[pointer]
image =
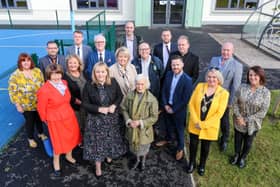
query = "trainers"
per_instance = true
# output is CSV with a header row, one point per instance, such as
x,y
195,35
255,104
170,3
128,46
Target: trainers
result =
x,y
32,143
42,136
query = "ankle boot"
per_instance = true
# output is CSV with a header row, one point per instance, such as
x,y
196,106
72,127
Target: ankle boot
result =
x,y
143,163
191,167
234,159
135,165
242,163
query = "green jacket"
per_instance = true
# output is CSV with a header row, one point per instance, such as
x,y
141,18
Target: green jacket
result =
x,y
146,111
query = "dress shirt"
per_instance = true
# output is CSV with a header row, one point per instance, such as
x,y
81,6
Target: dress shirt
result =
x,y
80,53
222,66
129,45
165,53
103,55
145,66
174,83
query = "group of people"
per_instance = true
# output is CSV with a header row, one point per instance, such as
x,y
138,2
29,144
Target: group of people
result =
x,y
109,103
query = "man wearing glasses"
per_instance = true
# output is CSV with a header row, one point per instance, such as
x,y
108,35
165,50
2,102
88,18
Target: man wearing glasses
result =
x,y
51,57
232,73
100,54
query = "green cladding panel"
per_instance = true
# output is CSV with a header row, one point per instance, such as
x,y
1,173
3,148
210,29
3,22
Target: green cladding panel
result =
x,y
194,13
143,13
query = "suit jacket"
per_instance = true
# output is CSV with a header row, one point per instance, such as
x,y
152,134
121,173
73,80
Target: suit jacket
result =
x,y
191,64
136,41
86,51
158,50
181,95
155,73
91,99
210,126
93,59
232,73
45,61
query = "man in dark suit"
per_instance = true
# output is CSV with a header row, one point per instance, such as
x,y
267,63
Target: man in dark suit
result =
x,y
80,49
163,49
231,70
191,61
150,66
51,57
130,40
100,54
176,92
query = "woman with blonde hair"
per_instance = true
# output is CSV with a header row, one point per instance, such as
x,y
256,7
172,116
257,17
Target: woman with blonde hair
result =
x,y
207,105
101,100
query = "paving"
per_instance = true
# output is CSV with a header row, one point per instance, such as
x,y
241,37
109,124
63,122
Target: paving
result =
x,y
22,166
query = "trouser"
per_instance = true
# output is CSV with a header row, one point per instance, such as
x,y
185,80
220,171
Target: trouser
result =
x,y
204,150
173,124
225,126
245,140
32,119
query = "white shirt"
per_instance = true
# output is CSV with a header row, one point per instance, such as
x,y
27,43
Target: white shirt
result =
x,y
103,55
174,83
129,45
145,66
80,51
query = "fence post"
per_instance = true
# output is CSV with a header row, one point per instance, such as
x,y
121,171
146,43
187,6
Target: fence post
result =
x,y
56,16
10,18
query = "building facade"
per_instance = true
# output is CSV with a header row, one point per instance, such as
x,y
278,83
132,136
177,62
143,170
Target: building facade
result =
x,y
150,13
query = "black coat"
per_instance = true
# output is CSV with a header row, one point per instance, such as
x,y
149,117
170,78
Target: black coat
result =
x,y
91,99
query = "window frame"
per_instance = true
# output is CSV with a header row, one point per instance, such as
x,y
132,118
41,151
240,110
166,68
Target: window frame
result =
x,y
229,2
97,5
15,5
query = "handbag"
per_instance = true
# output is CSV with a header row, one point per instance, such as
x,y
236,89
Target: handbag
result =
x,y
48,147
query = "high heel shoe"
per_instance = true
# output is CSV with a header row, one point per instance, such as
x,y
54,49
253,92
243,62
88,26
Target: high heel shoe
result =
x,y
57,173
70,162
108,161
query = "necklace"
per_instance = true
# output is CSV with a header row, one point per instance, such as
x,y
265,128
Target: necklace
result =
x,y
205,103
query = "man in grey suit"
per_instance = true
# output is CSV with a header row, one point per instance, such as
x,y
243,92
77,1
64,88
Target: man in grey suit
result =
x,y
51,57
232,73
130,40
80,49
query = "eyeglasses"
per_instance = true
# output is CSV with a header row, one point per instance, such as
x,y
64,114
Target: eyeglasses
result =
x,y
144,49
216,68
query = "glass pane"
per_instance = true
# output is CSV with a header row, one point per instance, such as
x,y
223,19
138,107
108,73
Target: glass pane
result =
x,y
11,3
251,4
222,4
112,3
159,14
3,4
176,11
241,4
21,4
101,4
233,3
93,4
82,3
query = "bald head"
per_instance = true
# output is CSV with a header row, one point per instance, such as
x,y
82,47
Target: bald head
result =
x,y
227,50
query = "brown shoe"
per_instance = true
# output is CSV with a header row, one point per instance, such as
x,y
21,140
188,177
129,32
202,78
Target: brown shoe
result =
x,y
179,155
162,143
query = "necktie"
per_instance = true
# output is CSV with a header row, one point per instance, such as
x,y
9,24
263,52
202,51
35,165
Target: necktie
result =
x,y
167,49
100,57
78,51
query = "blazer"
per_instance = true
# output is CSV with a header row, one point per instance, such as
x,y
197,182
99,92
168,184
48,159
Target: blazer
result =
x,y
121,41
45,61
210,126
155,73
93,59
86,51
191,64
181,95
91,99
232,73
158,50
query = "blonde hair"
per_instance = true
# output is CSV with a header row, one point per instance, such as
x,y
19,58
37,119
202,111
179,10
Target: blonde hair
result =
x,y
101,65
218,74
81,64
123,50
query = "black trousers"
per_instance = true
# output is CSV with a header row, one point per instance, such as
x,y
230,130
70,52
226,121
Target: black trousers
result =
x,y
245,140
225,126
32,119
204,150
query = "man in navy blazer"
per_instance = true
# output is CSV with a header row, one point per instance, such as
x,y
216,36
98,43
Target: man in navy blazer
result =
x,y
100,54
80,49
162,50
51,57
232,73
176,92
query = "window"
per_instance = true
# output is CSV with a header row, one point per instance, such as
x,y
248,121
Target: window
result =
x,y
13,4
97,4
237,4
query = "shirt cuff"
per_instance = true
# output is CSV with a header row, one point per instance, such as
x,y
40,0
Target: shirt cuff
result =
x,y
141,124
127,122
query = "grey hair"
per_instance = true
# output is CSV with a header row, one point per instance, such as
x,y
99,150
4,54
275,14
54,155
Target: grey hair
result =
x,y
218,74
99,36
143,77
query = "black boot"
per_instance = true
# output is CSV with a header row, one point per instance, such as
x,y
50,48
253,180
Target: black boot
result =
x,y
191,167
234,159
201,170
143,163
242,163
136,164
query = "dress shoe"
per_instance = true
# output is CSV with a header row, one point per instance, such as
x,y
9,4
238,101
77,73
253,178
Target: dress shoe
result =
x,y
98,176
179,154
242,163
190,168
162,143
57,173
201,171
32,143
42,136
223,146
234,159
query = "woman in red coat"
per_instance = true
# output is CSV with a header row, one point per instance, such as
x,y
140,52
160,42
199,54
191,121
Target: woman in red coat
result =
x,y
55,110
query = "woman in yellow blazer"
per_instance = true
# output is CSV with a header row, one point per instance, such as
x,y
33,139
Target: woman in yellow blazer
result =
x,y
207,105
